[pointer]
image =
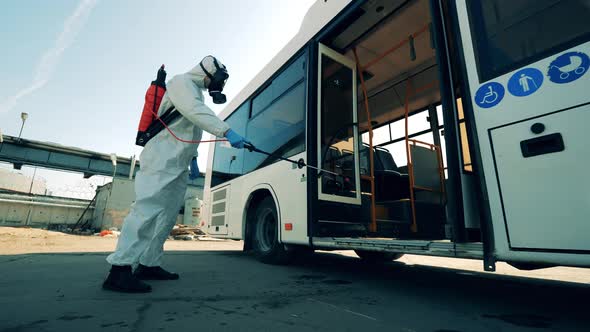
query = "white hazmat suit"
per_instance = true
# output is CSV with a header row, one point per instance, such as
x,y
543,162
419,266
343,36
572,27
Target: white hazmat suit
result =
x,y
161,183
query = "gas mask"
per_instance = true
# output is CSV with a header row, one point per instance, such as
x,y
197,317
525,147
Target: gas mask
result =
x,y
217,82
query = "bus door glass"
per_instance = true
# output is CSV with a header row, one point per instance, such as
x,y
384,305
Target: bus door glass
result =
x,y
337,128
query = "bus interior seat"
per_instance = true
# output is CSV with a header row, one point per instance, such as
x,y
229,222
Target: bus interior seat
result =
x,y
348,167
426,173
347,153
347,160
333,157
332,163
390,184
364,159
385,158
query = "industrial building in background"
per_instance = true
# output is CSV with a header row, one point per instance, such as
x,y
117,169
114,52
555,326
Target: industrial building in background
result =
x,y
22,184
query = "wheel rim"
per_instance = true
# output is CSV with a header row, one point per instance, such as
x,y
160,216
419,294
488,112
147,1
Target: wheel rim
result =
x,y
266,230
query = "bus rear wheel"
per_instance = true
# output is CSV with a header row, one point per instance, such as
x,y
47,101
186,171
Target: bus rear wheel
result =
x,y
377,256
266,245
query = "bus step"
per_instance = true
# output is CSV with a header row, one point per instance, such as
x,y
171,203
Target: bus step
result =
x,y
394,220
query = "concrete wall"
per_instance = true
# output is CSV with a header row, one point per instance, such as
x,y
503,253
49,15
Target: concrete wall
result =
x,y
114,200
41,211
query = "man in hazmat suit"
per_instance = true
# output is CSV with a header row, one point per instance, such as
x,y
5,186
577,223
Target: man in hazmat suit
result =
x,y
161,183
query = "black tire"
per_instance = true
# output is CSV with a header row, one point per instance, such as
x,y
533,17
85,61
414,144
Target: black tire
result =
x,y
377,256
266,245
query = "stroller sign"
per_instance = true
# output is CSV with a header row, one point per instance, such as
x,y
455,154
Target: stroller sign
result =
x,y
568,67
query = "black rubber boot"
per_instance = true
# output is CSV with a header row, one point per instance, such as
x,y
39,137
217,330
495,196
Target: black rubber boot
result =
x,y
121,279
154,273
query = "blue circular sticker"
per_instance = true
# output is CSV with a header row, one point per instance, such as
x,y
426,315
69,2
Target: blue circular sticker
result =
x,y
489,95
525,82
568,67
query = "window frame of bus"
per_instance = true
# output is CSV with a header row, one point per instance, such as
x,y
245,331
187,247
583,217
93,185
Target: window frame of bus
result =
x,y
485,68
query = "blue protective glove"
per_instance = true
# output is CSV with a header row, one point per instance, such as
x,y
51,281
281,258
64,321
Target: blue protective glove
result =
x,y
194,169
235,140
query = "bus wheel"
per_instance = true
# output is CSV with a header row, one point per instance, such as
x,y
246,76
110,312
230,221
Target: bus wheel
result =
x,y
267,247
377,256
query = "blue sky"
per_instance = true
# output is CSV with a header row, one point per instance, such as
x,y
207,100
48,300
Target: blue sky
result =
x,y
97,64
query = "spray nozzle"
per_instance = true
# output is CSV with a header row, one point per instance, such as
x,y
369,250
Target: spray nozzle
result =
x,y
161,78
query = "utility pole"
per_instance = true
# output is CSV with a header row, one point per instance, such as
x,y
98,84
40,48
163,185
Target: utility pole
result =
x,y
23,117
32,181
114,161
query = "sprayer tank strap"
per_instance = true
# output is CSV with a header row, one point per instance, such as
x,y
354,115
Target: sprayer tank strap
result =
x,y
167,117
154,110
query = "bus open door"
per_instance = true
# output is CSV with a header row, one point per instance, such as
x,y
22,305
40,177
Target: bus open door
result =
x,y
527,101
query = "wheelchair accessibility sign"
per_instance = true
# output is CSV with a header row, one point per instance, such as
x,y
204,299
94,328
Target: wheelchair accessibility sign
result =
x,y
489,95
568,67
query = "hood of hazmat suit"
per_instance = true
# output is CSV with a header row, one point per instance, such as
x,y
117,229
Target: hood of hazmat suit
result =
x,y
161,183
198,76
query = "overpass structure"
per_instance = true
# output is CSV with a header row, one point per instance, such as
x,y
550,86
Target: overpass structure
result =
x,y
19,152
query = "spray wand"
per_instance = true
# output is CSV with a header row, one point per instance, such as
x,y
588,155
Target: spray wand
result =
x,y
300,163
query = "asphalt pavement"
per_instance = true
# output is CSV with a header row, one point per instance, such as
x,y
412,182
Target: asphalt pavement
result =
x,y
231,291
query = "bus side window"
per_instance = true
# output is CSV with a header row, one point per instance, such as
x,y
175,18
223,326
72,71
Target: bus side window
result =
x,y
289,77
277,123
279,129
227,161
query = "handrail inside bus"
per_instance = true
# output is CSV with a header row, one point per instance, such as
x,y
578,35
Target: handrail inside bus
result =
x,y
397,46
373,224
412,180
409,92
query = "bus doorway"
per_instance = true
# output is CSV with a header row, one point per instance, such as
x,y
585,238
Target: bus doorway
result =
x,y
380,126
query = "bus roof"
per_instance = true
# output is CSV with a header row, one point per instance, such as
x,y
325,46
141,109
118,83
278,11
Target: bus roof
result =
x,y
318,16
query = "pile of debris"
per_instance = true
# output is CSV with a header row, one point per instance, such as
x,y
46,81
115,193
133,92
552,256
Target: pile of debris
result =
x,y
86,232
184,232
179,232
111,232
63,228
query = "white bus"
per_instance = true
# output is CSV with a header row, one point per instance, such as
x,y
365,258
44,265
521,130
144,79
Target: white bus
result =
x,y
455,128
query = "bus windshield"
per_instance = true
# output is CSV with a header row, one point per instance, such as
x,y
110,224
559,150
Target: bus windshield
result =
x,y
512,34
